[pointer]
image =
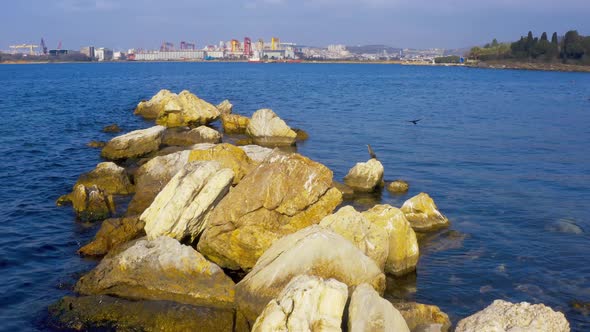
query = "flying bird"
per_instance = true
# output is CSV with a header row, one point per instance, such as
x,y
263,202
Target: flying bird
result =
x,y
415,121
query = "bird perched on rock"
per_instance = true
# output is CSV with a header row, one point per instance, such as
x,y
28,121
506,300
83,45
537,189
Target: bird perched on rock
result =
x,y
371,152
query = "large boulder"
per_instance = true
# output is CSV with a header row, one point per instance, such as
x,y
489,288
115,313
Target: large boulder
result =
x,y
229,156
423,317
150,109
109,177
134,144
256,152
91,203
365,177
403,250
225,107
306,304
284,194
152,177
187,110
503,316
234,123
371,239
369,312
112,233
315,251
161,269
423,214
184,136
182,208
106,313
266,128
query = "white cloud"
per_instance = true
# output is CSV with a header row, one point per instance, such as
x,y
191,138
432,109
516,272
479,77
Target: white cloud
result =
x,y
87,5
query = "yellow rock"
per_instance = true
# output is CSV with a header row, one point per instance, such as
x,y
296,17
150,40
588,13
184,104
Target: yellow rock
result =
x,y
281,196
134,144
365,177
112,233
369,312
371,239
423,214
267,129
91,203
150,109
398,187
225,107
229,156
314,251
187,110
109,177
403,245
234,123
423,317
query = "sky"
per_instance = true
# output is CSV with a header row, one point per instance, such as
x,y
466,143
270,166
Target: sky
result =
x,y
124,24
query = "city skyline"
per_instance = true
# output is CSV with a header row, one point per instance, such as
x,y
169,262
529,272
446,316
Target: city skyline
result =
x,y
398,23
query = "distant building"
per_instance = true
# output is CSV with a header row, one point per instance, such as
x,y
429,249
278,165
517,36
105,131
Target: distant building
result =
x,y
170,55
119,56
103,54
62,52
215,54
88,51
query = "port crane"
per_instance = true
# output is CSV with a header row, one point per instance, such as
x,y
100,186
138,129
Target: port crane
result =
x,y
31,47
43,47
166,46
187,46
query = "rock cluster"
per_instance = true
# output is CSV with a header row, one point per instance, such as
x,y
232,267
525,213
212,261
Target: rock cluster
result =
x,y
266,216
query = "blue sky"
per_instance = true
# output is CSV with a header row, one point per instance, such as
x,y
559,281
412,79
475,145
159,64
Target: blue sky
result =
x,y
400,23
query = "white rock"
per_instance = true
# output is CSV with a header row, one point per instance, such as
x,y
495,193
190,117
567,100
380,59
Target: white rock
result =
x,y
256,152
423,214
502,316
182,208
266,128
307,303
365,177
369,312
134,144
314,251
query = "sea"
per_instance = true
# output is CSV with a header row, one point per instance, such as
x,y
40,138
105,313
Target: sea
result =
x,y
505,154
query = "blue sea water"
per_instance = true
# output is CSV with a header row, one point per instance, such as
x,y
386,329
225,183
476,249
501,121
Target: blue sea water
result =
x,y
505,154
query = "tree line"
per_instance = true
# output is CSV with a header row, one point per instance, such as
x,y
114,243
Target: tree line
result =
x,y
572,48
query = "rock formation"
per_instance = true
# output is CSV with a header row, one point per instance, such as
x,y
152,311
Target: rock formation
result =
x,y
161,269
423,214
182,208
315,251
365,177
398,187
267,129
184,136
234,123
187,110
152,108
369,312
284,194
91,203
112,233
225,107
134,144
503,316
108,177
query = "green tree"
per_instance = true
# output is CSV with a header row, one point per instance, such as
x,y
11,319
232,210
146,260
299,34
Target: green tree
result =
x,y
572,45
544,36
554,40
495,43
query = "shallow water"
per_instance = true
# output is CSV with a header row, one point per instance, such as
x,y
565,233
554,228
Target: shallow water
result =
x,y
504,154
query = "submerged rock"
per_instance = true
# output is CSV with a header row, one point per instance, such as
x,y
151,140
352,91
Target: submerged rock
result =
x,y
152,108
112,233
314,251
370,238
114,128
369,312
398,187
108,177
423,214
134,144
96,144
182,208
281,196
234,123
184,136
225,107
91,203
105,313
365,177
403,253
187,110
306,304
347,192
423,317
267,129
506,316
152,177
229,156
161,269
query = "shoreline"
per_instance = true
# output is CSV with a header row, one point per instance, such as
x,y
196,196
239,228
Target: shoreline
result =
x,y
557,67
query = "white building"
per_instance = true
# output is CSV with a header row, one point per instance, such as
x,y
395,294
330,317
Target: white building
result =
x,y
170,55
103,54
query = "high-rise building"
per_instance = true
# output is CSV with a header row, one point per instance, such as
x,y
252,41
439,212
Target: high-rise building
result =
x,y
88,51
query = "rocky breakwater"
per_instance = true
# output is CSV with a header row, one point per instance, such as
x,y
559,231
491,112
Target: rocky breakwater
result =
x,y
201,213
